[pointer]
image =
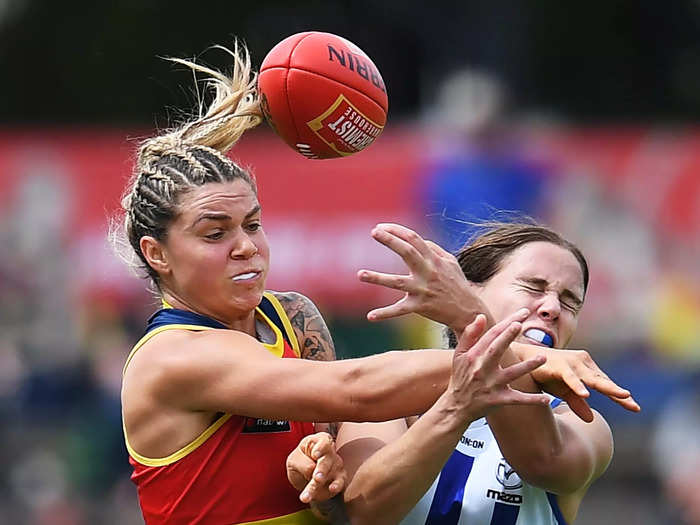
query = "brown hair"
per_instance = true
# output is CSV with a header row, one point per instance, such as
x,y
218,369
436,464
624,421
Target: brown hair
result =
x,y
482,257
170,164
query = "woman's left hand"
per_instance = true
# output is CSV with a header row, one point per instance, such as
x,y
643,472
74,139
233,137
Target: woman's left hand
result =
x,y
315,469
567,373
435,286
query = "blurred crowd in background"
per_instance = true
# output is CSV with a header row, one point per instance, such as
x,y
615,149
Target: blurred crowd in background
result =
x,y
584,118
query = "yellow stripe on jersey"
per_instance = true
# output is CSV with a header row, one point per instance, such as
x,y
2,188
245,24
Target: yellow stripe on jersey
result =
x,y
152,333
303,517
179,454
285,321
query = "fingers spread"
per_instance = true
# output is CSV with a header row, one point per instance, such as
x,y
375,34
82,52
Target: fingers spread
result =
x,y
628,403
399,308
439,250
473,332
579,406
503,327
409,253
390,280
604,385
575,384
516,397
503,340
513,372
407,235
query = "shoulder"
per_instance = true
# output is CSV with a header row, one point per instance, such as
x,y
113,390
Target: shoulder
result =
x,y
180,354
314,338
293,301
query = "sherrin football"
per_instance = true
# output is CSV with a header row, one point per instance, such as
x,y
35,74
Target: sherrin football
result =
x,y
323,95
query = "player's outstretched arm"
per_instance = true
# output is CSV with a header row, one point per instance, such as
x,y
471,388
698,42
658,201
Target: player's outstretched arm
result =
x,y
391,467
229,371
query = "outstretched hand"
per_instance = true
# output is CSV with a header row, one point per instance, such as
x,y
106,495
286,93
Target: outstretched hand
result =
x,y
568,373
315,469
435,286
478,382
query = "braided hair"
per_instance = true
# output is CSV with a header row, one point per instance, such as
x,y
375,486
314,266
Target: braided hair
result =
x,y
191,155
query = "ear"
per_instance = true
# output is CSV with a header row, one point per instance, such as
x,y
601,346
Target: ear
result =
x,y
155,254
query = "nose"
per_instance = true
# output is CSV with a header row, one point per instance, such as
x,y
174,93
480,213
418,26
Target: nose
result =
x,y
550,307
245,248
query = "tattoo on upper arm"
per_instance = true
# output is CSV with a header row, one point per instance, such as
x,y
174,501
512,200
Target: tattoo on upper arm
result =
x,y
315,340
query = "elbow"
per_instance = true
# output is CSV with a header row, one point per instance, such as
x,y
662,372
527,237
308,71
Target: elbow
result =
x,y
553,475
539,469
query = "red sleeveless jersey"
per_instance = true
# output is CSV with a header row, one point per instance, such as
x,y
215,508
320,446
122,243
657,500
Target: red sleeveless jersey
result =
x,y
234,472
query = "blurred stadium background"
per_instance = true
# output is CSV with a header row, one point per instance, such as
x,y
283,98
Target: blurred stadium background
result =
x,y
583,115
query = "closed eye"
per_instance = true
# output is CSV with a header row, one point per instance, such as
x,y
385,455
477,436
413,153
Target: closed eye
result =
x,y
571,305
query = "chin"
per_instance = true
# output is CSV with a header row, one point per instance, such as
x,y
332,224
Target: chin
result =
x,y
248,301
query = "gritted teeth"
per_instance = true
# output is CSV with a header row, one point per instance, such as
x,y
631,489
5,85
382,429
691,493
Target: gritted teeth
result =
x,y
540,336
244,276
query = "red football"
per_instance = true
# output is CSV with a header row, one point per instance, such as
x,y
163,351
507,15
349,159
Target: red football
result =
x,y
323,95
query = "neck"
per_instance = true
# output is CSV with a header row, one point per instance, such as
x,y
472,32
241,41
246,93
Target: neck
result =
x,y
243,322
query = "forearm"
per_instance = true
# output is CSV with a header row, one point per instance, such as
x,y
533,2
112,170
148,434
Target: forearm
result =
x,y
390,482
395,384
528,435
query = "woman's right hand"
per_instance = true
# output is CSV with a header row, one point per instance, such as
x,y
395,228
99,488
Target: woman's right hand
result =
x,y
315,469
435,286
567,373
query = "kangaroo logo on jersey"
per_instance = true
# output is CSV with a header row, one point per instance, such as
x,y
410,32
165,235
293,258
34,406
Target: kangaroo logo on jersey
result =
x,y
507,477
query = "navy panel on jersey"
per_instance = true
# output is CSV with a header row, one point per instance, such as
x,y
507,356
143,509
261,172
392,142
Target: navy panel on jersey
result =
x,y
167,316
552,498
504,514
447,503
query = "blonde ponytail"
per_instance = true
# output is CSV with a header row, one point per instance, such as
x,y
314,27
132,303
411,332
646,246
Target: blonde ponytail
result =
x,y
192,154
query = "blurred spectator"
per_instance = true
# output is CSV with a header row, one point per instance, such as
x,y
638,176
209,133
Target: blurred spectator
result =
x,y
476,164
676,453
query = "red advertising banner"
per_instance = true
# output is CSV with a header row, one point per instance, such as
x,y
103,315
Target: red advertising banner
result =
x,y
62,186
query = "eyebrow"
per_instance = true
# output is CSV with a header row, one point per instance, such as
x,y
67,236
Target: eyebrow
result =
x,y
217,216
578,302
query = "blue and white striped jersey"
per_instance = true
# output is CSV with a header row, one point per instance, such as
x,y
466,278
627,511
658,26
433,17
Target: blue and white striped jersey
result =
x,y
478,487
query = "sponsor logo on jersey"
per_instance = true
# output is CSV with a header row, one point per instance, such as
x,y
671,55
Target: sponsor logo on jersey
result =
x,y
507,477
259,425
504,497
344,128
474,443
